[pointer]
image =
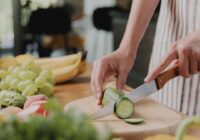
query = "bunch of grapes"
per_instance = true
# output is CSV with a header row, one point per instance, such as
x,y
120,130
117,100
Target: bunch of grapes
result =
x,y
27,79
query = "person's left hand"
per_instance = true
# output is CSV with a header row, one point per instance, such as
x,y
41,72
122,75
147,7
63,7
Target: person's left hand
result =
x,y
186,52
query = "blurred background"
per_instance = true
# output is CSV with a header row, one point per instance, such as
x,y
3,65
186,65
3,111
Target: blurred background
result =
x,y
51,28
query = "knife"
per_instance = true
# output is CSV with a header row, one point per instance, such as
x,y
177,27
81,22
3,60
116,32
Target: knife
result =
x,y
140,92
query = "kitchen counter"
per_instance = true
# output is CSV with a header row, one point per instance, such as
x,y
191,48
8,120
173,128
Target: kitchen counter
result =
x,y
74,89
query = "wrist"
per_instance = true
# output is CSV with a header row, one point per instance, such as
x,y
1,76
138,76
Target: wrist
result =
x,y
128,47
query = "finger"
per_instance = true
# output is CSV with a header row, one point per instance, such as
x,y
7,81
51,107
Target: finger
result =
x,y
183,64
121,79
93,78
164,63
98,81
173,64
193,65
92,83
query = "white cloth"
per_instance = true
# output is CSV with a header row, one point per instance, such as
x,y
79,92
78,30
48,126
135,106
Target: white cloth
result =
x,y
177,19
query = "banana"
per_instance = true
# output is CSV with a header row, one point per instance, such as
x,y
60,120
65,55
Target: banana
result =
x,y
67,72
62,62
63,68
24,58
58,61
82,67
50,63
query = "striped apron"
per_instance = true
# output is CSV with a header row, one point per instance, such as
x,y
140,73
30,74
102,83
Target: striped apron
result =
x,y
177,19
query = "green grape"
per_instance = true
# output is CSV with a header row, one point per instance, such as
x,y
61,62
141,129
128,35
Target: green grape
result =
x,y
3,73
30,90
40,81
47,89
13,84
31,75
10,69
3,85
3,91
28,65
20,86
22,75
51,80
36,69
8,79
46,73
15,72
27,75
28,82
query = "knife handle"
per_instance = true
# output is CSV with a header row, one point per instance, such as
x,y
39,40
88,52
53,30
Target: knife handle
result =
x,y
164,77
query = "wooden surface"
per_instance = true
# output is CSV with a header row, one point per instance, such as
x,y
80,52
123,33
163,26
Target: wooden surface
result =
x,y
157,117
74,89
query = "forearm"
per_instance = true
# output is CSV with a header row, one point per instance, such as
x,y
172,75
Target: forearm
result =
x,y
140,15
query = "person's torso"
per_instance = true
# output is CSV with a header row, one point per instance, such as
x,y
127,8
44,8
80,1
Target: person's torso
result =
x,y
177,18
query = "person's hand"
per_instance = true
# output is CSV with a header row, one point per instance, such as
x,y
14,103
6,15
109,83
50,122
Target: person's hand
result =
x,y
186,52
119,63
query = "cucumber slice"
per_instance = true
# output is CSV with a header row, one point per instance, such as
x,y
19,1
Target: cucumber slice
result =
x,y
111,94
124,108
134,121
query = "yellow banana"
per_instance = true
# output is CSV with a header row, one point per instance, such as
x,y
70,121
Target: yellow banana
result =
x,y
82,67
63,62
24,57
58,61
50,63
66,73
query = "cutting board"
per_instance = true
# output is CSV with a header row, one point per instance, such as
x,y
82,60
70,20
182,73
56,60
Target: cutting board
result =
x,y
158,118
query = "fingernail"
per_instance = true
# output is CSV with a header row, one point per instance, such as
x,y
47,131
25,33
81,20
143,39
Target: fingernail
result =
x,y
146,79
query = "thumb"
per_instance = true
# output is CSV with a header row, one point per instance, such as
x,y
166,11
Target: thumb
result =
x,y
121,79
162,66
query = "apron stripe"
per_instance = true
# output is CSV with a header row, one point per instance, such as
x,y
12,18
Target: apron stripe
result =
x,y
177,18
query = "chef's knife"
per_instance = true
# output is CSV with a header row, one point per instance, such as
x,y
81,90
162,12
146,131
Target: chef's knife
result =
x,y
140,92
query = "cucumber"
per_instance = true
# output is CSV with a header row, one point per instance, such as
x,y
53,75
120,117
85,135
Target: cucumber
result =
x,y
124,107
134,121
110,95
185,124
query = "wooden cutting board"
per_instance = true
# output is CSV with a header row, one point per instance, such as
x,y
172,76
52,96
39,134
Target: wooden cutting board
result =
x,y
158,118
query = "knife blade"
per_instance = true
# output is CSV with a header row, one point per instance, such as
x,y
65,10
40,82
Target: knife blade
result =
x,y
140,92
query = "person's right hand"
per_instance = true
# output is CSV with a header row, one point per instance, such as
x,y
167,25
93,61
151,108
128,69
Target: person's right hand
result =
x,y
119,63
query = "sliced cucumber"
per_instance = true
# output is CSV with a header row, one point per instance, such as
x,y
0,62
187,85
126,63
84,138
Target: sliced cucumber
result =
x,y
134,121
110,95
124,107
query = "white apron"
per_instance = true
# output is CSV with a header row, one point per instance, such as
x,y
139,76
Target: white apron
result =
x,y
177,18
